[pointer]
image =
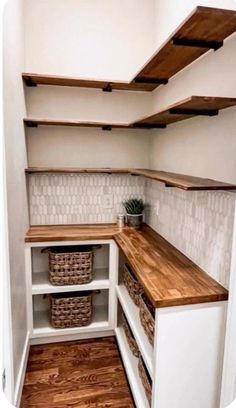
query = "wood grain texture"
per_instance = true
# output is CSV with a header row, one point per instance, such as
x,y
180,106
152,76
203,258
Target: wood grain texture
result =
x,y
39,79
168,277
48,233
203,25
181,181
82,374
188,108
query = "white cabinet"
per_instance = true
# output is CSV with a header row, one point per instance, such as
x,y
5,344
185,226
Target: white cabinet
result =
x,y
38,287
185,364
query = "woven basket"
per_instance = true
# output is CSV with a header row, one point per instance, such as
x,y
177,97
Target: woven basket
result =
x,y
71,265
129,336
147,317
132,284
73,309
146,380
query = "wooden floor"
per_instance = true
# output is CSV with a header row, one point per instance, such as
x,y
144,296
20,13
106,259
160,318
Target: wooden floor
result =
x,y
81,374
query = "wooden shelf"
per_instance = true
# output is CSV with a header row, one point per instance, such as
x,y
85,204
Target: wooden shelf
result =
x,y
35,122
131,312
106,170
107,86
41,284
182,110
182,181
186,109
204,29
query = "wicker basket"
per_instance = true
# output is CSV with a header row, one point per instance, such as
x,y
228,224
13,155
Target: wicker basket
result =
x,y
147,317
71,265
73,309
146,380
129,336
132,285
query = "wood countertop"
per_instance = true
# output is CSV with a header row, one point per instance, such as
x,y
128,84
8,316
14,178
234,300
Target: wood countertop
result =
x,y
168,277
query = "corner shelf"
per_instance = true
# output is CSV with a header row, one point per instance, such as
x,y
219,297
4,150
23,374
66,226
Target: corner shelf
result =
x,y
204,29
182,110
186,109
182,181
41,284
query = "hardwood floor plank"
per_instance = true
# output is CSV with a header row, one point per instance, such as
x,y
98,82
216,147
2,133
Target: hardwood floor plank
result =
x,y
81,374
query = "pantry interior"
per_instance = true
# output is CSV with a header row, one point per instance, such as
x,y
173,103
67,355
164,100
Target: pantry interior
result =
x,y
103,102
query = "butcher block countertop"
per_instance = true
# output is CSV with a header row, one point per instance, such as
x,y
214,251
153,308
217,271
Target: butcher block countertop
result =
x,y
168,277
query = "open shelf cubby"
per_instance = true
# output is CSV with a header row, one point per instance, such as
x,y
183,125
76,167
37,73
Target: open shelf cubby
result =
x,y
41,317
40,275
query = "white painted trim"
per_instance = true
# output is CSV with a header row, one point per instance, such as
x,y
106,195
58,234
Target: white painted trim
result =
x,y
21,373
113,279
67,242
228,391
6,317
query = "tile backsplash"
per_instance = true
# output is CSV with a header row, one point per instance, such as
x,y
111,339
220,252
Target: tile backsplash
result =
x,y
199,224
79,198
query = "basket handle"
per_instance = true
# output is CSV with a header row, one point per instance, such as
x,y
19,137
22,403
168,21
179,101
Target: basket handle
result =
x,y
94,248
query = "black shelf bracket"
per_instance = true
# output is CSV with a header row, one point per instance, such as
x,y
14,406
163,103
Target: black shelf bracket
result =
x,y
154,81
194,112
149,125
29,82
108,87
31,124
107,127
215,45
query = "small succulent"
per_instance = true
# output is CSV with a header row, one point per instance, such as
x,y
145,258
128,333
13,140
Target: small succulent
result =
x,y
134,206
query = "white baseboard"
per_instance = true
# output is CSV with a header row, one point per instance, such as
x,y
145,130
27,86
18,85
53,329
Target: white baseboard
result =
x,y
21,375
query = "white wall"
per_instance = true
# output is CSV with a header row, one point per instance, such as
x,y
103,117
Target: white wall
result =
x,y
81,147
14,110
167,21
202,146
102,39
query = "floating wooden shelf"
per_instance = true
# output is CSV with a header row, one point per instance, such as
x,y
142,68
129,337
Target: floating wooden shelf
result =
x,y
204,29
182,110
184,182
106,170
186,109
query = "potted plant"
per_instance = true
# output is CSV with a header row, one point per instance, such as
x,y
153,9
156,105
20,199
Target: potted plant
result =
x,y
134,212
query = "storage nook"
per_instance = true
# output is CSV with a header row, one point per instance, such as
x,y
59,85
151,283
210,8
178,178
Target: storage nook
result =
x,y
106,113
101,287
161,306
